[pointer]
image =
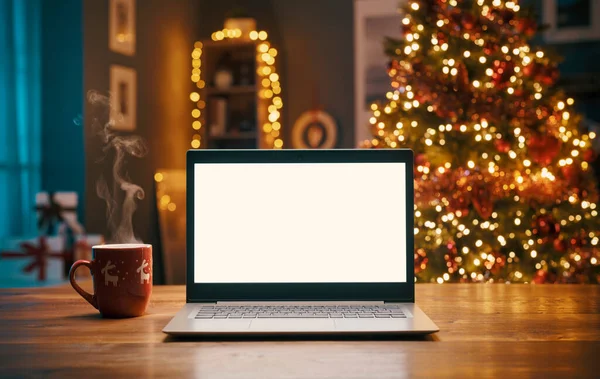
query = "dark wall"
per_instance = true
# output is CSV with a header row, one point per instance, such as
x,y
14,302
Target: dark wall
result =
x,y
315,41
165,36
63,167
579,69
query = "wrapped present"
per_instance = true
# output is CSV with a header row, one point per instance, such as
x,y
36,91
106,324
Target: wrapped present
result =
x,y
83,250
33,262
57,211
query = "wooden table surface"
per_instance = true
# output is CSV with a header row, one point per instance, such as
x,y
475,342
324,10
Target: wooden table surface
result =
x,y
485,330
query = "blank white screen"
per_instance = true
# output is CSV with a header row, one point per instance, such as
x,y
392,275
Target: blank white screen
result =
x,y
300,223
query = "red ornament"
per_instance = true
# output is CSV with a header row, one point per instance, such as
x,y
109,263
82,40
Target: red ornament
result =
x,y
545,225
502,145
540,277
468,21
482,200
526,26
560,244
543,148
498,263
571,173
547,75
421,159
420,260
450,257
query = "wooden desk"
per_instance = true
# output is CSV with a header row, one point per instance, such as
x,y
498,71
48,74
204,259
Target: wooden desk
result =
x,y
486,330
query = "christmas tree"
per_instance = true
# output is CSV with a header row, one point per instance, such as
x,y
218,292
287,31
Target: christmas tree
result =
x,y
503,186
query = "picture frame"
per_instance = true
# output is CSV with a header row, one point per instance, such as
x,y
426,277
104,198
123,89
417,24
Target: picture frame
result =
x,y
123,93
122,30
571,20
373,21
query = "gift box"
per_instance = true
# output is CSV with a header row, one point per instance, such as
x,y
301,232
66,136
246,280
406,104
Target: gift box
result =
x,y
56,212
32,262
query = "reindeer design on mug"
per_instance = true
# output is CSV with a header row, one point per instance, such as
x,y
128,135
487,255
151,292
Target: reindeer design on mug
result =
x,y
107,276
143,276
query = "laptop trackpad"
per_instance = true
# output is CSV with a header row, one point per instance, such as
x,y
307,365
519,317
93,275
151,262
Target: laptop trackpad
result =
x,y
291,325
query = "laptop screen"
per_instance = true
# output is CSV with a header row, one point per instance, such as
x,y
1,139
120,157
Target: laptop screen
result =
x,y
300,223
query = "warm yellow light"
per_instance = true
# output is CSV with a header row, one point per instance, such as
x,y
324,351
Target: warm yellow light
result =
x,y
467,54
172,207
560,105
476,83
196,125
415,6
482,59
194,96
158,177
262,35
196,144
278,143
253,35
196,113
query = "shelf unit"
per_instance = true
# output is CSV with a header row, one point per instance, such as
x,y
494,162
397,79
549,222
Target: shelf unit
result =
x,y
232,117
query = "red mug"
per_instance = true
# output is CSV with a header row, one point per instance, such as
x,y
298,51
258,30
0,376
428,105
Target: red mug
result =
x,y
122,278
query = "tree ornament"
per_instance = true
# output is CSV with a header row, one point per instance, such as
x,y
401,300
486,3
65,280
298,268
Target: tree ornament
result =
x,y
420,260
543,148
502,145
588,155
560,244
482,201
468,21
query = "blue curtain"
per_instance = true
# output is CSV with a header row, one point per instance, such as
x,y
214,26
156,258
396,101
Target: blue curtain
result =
x,y
20,109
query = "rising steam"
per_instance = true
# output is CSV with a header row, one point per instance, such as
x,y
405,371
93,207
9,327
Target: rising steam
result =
x,y
120,197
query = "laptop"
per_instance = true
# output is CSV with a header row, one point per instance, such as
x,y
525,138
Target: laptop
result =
x,y
300,242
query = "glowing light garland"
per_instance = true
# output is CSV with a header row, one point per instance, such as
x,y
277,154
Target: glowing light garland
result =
x,y
268,80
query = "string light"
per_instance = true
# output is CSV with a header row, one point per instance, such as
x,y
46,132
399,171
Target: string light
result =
x,y
268,78
510,169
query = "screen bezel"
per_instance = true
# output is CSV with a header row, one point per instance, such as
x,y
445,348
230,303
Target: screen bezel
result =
x,y
211,292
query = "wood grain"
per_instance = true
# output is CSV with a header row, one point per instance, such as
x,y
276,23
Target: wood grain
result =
x,y
485,331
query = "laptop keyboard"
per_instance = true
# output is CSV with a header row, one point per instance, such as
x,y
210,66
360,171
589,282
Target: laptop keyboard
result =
x,y
299,311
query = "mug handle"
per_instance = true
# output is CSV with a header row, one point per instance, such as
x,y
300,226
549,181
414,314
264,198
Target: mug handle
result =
x,y
87,296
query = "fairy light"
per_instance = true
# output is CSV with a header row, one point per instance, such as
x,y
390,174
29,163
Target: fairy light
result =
x,y
508,166
268,78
